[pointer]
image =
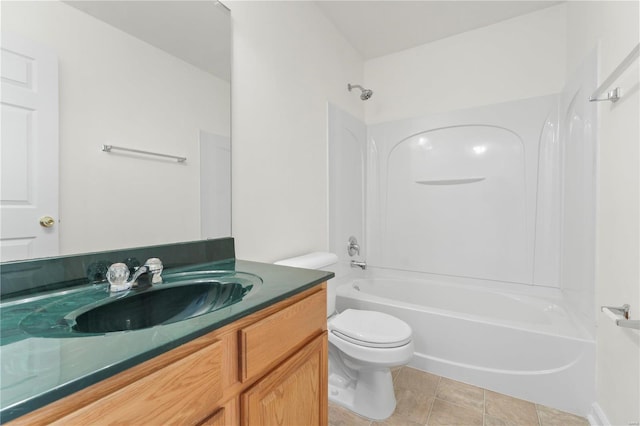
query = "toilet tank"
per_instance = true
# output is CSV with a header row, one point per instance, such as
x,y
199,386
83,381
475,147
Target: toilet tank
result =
x,y
316,260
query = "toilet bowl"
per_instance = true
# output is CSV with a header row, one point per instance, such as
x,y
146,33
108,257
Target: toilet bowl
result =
x,y
363,346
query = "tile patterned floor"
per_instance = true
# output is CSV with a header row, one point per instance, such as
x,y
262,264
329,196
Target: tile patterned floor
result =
x,y
427,399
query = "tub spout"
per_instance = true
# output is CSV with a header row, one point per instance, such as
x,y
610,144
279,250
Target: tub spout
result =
x,y
358,264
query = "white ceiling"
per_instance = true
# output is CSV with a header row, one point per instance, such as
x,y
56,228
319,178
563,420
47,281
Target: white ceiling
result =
x,y
198,31
378,28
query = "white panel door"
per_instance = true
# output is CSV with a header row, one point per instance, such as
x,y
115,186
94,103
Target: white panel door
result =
x,y
28,150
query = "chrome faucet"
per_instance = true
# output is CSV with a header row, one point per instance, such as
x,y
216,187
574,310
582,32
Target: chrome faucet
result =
x,y
118,275
152,268
358,264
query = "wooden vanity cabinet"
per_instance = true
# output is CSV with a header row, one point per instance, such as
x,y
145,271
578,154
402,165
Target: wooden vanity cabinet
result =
x,y
264,369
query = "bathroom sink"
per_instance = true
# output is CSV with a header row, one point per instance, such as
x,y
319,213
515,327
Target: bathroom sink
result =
x,y
180,297
158,305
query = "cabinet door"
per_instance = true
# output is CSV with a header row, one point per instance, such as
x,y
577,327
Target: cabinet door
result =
x,y
295,393
183,392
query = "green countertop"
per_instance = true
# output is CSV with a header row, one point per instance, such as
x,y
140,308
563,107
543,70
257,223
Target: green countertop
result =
x,y
39,370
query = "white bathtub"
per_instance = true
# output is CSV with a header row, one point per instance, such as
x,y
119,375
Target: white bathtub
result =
x,y
526,346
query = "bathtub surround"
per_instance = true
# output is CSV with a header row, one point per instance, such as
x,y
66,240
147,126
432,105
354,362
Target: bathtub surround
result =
x,y
577,124
347,190
503,192
472,200
461,193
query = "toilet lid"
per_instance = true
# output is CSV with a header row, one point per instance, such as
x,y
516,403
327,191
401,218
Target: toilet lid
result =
x,y
370,328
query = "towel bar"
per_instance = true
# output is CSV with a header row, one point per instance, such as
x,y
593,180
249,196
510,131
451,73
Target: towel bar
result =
x,y
109,148
615,94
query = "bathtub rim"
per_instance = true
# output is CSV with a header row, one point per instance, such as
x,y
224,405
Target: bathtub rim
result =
x,y
548,294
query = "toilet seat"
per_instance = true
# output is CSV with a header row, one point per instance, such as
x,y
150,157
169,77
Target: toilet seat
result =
x,y
370,329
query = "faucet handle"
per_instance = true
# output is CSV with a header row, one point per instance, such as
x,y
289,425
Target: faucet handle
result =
x,y
353,248
154,267
117,275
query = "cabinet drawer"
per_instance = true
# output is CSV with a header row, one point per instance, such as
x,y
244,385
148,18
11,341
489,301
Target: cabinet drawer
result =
x,y
183,392
269,340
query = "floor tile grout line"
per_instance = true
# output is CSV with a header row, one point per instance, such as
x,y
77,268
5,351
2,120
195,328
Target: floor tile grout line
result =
x,y
538,415
433,401
468,407
460,405
484,406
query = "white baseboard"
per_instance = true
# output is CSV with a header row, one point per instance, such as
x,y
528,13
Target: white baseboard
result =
x,y
597,417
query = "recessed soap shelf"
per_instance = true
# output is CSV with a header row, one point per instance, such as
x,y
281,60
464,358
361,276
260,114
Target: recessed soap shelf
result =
x,y
451,181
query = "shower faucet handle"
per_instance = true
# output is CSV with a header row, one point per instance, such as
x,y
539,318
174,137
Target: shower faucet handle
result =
x,y
352,247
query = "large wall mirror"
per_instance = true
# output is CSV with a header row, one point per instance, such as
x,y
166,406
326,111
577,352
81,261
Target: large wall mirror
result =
x,y
150,76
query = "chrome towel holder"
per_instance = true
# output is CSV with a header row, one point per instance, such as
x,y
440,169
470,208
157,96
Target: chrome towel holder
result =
x,y
615,94
109,148
620,314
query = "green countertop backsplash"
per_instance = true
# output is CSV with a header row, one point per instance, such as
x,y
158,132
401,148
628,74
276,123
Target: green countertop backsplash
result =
x,y
38,368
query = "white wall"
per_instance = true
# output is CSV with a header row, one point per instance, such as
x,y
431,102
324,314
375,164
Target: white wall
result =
x,y
111,92
519,58
288,62
613,28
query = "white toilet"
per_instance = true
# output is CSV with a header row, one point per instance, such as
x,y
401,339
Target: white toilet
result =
x,y
363,346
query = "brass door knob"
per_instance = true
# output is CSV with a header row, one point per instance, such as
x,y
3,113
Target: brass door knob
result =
x,y
47,221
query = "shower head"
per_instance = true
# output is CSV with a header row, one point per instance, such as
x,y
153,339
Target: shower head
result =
x,y
366,93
